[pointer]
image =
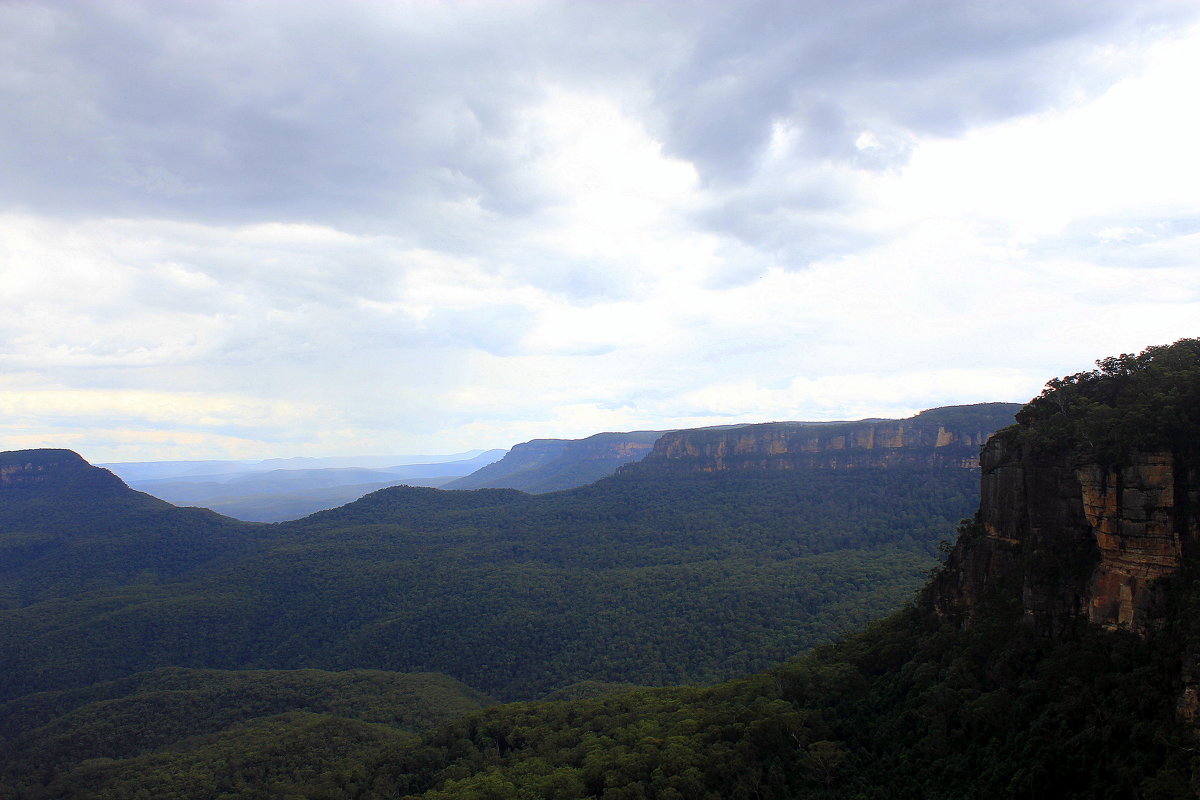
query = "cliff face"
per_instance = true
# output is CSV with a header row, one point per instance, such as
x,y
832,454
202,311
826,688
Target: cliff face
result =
x,y
946,437
1074,539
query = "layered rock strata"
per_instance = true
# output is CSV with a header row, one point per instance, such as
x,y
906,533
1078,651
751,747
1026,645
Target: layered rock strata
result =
x,y
949,437
1072,538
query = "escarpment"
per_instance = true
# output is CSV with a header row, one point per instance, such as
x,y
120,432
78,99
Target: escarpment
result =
x,y
943,437
1088,503
1074,538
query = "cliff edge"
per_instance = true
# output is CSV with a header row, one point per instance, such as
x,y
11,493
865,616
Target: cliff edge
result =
x,y
940,437
1089,502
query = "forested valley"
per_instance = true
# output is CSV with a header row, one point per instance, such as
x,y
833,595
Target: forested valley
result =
x,y
162,652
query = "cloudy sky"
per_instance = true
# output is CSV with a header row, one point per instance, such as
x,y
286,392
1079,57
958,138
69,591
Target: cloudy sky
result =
x,y
257,229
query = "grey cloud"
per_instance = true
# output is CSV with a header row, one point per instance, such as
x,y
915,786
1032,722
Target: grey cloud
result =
x,y
403,119
924,67
794,226
254,112
249,111
831,72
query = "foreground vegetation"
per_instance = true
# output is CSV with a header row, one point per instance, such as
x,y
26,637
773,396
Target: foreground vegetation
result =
x,y
237,724
911,708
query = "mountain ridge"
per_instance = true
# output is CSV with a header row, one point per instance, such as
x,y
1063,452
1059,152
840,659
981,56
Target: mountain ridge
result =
x,y
952,436
548,465
948,436
615,579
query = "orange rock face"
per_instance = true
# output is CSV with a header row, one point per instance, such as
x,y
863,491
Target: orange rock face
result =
x,y
1078,540
1075,540
920,440
1132,515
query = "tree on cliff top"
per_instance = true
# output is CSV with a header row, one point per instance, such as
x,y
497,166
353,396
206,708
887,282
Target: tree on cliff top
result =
x,y
1148,401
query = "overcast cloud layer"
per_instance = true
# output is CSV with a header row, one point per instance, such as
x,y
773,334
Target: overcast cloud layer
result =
x,y
246,230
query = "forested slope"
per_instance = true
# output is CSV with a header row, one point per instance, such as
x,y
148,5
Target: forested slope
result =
x,y
686,579
1007,678
110,728
67,527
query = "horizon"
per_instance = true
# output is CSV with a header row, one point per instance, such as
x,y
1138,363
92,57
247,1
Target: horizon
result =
x,y
245,231
413,459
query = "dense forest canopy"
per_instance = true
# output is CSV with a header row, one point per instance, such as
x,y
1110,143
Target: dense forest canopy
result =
x,y
637,580
1148,401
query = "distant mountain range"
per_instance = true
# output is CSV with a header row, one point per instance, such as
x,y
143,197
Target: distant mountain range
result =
x,y
953,433
283,489
289,488
276,490
150,470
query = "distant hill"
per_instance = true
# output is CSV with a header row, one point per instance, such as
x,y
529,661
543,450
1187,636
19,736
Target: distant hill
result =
x,y
285,505
550,465
149,470
67,527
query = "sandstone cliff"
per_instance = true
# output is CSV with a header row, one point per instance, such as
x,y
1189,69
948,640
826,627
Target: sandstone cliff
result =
x,y
942,437
1072,538
1090,501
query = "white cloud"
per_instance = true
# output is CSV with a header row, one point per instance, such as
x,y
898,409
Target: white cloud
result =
x,y
1128,153
248,230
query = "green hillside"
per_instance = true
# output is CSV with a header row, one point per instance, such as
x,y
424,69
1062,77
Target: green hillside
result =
x,y
909,709
67,527
684,579
551,465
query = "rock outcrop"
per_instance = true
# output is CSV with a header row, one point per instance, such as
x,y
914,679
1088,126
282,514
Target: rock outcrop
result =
x,y
1072,538
942,437
1088,511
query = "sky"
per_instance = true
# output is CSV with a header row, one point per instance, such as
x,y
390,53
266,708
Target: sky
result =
x,y
267,229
